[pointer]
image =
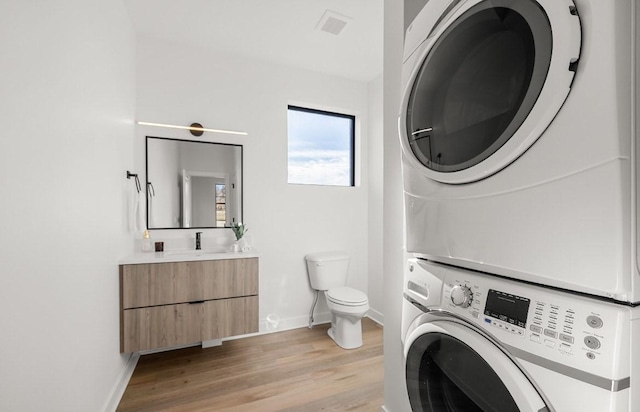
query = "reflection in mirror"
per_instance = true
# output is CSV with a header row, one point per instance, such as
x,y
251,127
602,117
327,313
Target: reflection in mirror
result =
x,y
193,184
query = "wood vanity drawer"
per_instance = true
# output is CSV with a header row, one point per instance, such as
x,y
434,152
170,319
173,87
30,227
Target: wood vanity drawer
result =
x,y
229,317
153,284
172,325
160,326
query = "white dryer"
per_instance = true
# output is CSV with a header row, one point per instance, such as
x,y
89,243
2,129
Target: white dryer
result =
x,y
481,343
518,127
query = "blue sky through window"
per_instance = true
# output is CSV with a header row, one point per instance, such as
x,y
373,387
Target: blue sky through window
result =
x,y
320,148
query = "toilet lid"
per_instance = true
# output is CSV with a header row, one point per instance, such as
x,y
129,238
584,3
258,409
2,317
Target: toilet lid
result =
x,y
346,296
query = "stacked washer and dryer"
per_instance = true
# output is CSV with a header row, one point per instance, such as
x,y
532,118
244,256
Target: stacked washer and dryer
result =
x,y
519,129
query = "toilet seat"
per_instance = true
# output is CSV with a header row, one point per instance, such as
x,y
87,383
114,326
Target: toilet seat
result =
x,y
346,296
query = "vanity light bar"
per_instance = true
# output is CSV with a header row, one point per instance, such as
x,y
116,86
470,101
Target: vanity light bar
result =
x,y
199,129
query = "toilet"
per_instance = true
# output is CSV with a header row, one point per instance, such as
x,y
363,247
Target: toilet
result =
x,y
328,272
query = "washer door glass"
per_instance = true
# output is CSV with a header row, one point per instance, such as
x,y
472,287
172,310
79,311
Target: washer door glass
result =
x,y
484,71
478,83
444,374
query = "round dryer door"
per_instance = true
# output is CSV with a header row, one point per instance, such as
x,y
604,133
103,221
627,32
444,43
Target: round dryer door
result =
x,y
451,368
491,76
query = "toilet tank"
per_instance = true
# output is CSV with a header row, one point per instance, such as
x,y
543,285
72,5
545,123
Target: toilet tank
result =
x,y
327,270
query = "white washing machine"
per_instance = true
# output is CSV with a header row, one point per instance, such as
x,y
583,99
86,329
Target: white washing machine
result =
x,y
518,128
482,343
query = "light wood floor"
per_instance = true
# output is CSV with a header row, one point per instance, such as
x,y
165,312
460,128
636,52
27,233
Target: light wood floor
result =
x,y
297,370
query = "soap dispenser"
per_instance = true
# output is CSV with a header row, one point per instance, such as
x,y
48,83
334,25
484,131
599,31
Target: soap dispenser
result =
x,y
146,242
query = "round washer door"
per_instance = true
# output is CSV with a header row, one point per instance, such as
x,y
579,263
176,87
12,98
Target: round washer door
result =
x,y
450,367
491,76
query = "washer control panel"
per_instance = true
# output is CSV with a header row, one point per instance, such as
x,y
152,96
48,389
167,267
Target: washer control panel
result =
x,y
570,329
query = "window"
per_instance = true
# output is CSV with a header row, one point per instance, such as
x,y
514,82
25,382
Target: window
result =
x,y
221,205
321,147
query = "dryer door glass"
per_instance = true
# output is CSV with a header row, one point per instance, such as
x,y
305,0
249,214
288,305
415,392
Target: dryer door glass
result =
x,y
446,375
478,83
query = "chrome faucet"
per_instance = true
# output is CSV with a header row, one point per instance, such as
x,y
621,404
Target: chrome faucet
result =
x,y
198,240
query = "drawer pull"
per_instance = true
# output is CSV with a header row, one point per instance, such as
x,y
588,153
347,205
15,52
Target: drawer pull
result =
x,y
196,302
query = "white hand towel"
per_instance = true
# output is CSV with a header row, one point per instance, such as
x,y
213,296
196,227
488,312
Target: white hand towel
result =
x,y
140,216
150,211
132,209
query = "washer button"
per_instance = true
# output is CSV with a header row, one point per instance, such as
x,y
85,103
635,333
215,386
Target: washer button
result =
x,y
536,328
565,348
566,338
594,321
551,333
592,342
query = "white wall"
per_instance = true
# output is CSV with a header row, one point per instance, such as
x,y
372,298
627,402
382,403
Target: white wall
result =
x,y
181,85
376,216
66,111
395,393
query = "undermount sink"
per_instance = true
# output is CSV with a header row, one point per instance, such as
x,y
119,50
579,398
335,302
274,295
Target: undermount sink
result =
x,y
193,252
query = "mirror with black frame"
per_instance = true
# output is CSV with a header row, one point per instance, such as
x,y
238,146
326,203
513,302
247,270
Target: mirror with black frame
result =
x,y
193,184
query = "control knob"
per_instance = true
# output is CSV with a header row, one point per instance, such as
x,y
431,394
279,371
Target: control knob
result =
x,y
461,296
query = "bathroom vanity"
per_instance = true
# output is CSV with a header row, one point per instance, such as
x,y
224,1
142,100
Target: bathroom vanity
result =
x,y
169,300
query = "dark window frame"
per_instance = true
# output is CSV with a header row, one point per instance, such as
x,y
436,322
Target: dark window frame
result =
x,y
352,141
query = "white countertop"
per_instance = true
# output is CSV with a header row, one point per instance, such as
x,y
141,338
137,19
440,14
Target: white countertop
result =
x,y
183,256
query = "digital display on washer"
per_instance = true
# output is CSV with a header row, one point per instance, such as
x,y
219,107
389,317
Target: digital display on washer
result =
x,y
507,307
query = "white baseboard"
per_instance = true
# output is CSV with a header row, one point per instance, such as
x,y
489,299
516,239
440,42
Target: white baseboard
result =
x,y
121,384
376,316
269,325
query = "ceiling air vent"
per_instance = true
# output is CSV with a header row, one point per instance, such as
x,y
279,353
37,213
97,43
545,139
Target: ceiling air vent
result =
x,y
332,22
